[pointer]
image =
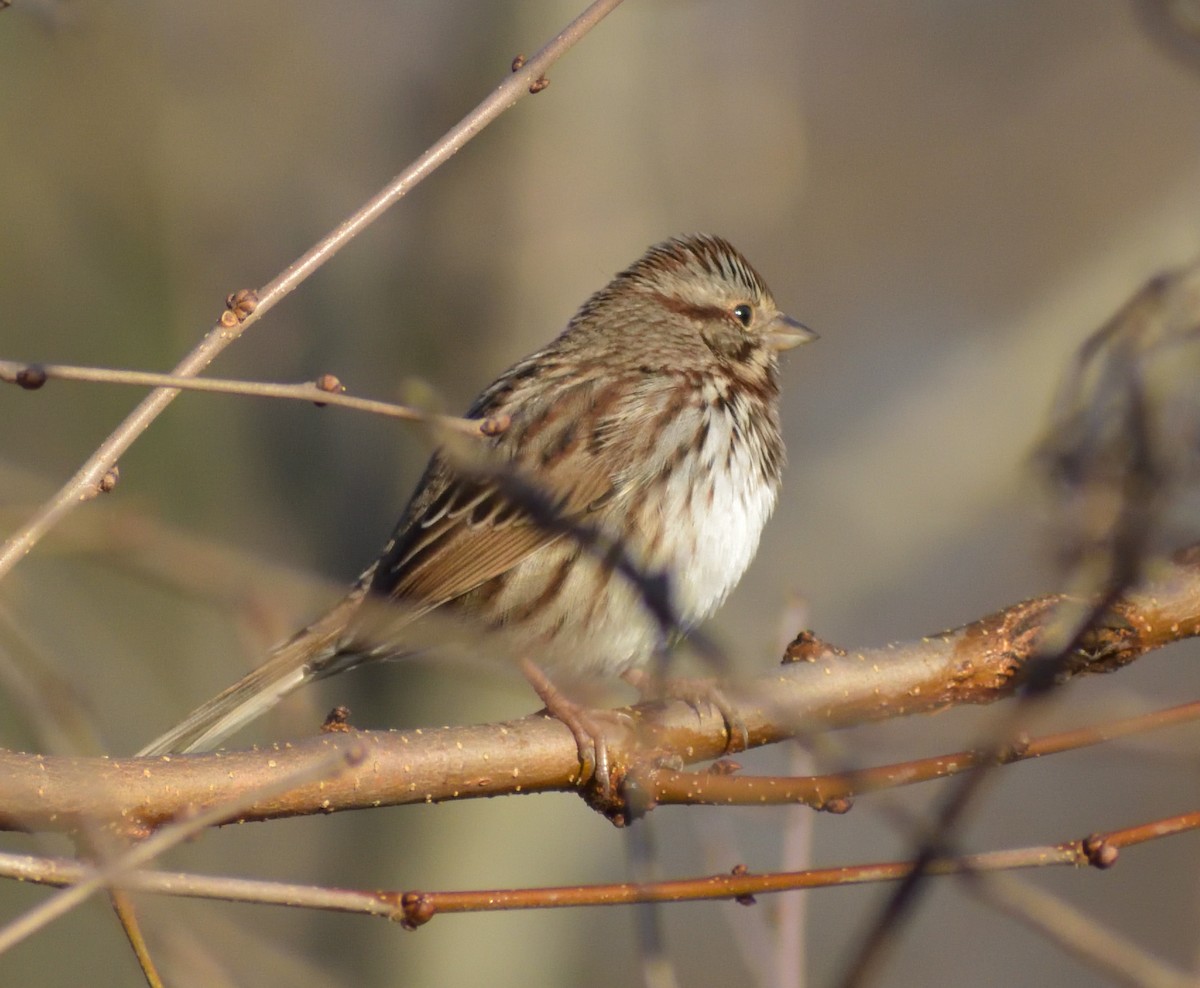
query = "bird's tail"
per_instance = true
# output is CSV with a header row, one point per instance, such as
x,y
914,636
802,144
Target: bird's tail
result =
x,y
305,656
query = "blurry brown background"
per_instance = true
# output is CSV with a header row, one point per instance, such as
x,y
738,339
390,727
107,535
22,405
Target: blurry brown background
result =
x,y
952,194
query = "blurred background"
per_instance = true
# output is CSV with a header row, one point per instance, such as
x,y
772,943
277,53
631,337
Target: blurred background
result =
x,y
953,195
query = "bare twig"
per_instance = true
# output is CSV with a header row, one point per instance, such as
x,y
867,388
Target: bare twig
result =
x,y
67,872
128,918
668,786
741,885
324,391
419,907
245,308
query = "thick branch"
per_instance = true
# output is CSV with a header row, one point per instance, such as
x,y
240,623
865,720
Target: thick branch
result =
x,y
979,663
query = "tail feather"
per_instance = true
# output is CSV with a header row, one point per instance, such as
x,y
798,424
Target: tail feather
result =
x,y
302,658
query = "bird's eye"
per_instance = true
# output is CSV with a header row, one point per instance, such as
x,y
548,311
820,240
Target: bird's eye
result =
x,y
743,313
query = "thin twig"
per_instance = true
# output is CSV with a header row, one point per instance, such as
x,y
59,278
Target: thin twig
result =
x,y
246,308
308,391
64,872
670,786
127,916
418,907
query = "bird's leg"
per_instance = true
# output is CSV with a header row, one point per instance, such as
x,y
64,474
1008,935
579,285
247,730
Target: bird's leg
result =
x,y
589,737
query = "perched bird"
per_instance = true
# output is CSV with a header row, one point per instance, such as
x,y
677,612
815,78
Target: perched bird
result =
x,y
644,439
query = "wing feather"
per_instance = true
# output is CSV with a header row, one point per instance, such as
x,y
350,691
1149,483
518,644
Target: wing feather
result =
x,y
462,530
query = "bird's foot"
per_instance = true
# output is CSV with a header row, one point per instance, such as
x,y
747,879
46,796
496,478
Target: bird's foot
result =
x,y
697,694
586,725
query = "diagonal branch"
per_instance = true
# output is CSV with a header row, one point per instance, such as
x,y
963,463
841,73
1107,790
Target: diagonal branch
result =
x,y
247,307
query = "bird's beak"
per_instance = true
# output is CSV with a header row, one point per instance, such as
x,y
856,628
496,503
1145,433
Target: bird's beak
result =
x,y
783,333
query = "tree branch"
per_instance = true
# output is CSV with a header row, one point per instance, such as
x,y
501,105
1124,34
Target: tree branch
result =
x,y
244,308
414,908
835,791
979,663
326,390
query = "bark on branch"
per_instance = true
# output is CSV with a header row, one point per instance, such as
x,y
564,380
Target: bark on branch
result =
x,y
817,689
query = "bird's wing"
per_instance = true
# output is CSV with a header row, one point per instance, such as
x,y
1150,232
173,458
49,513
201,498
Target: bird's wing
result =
x,y
469,525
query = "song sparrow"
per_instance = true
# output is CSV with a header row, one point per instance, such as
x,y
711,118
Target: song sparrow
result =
x,y
644,439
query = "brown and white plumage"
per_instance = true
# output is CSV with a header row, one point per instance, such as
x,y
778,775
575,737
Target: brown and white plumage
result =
x,y
652,420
